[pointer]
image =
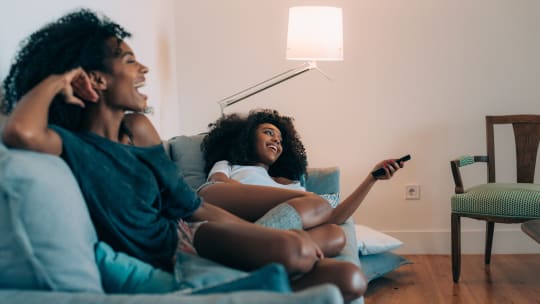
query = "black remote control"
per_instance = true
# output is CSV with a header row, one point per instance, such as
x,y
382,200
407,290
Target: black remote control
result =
x,y
381,172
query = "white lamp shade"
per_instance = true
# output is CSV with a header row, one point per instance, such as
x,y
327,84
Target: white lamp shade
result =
x,y
315,33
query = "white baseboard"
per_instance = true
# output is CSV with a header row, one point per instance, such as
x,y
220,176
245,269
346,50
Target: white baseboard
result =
x,y
510,241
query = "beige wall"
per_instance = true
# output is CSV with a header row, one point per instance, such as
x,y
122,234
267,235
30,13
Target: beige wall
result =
x,y
418,77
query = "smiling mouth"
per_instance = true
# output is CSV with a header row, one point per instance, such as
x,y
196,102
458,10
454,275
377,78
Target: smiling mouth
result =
x,y
273,148
138,86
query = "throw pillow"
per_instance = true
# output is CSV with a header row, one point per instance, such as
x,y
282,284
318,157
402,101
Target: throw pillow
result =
x,y
371,241
377,265
122,273
46,236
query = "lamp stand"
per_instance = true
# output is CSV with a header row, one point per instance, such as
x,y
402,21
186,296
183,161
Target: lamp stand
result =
x,y
261,86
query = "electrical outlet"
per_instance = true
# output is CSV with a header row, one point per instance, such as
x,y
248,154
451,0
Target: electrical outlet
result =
x,y
412,192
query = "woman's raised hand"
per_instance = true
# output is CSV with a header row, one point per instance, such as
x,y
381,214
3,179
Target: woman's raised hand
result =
x,y
390,167
77,87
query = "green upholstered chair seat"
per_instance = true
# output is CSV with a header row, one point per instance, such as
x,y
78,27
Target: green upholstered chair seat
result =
x,y
519,200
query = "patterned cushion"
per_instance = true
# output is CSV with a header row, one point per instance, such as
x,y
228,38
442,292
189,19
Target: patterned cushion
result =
x,y
497,199
332,198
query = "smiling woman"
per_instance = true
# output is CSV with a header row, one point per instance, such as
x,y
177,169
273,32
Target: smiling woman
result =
x,y
254,166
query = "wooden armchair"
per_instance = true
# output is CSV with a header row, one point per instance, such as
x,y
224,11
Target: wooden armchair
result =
x,y
498,202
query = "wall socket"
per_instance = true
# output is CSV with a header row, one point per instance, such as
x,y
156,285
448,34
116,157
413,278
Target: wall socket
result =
x,y
412,192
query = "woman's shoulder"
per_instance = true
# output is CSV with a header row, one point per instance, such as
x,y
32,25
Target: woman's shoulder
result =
x,y
141,130
221,165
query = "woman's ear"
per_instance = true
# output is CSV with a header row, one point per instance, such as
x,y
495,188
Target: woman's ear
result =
x,y
98,80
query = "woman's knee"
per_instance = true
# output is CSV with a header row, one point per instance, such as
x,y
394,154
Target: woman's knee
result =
x,y
352,283
313,209
345,275
336,237
298,252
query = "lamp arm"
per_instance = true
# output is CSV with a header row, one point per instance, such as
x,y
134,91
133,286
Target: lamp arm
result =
x,y
261,86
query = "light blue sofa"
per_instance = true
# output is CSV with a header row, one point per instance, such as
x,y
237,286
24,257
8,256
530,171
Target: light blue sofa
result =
x,y
49,252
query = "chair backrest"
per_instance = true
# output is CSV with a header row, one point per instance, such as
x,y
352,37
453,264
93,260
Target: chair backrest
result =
x,y
527,138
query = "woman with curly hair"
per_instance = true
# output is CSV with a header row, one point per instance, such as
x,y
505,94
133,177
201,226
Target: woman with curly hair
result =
x,y
254,164
68,93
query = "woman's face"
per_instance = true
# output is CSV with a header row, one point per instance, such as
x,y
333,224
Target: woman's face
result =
x,y
124,78
268,144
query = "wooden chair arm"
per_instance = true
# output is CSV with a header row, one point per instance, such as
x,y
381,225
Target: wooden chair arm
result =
x,y
462,162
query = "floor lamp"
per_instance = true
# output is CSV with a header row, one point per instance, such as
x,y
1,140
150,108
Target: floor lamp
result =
x,y
315,33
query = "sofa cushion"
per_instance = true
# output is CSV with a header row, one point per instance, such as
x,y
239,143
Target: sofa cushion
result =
x,y
46,236
186,153
519,200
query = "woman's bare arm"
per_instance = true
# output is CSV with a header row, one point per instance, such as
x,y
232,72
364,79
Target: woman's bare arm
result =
x,y
209,212
350,204
27,127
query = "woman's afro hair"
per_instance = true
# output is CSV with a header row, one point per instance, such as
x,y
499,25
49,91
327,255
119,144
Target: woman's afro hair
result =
x,y
78,39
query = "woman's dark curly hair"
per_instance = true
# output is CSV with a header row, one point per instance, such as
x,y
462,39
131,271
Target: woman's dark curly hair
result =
x,y
78,39
232,138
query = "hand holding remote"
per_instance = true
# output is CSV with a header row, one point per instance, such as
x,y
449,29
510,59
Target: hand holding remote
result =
x,y
381,171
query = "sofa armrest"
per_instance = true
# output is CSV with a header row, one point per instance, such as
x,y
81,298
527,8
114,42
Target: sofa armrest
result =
x,y
350,251
321,294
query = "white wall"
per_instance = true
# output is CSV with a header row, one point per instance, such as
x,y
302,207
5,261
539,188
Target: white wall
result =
x,y
150,22
418,77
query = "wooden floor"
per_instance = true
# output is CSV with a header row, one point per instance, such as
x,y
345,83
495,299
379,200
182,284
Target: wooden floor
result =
x,y
509,279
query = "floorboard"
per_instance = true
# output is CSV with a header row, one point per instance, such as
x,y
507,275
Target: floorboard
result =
x,y
508,279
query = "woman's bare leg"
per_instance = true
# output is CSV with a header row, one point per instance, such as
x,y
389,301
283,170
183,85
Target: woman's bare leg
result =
x,y
249,246
345,275
251,202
